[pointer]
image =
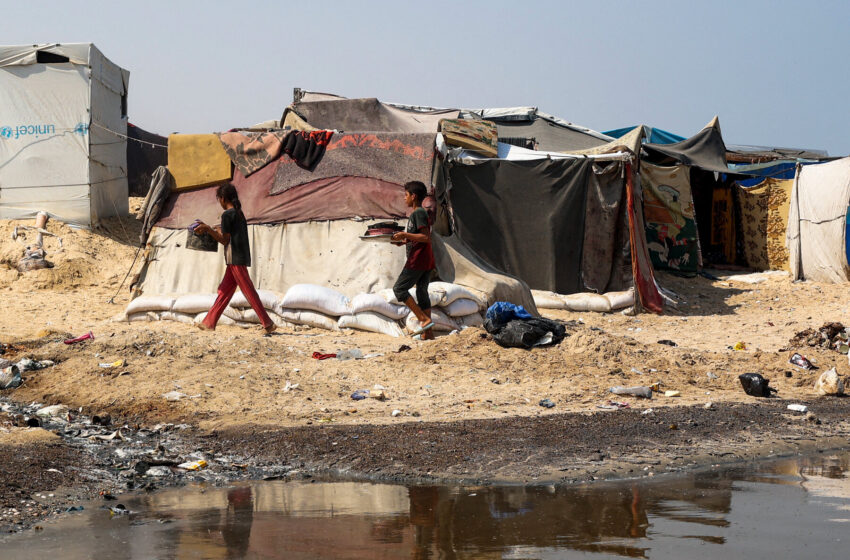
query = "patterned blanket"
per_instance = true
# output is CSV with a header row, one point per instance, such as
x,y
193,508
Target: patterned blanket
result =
x,y
764,218
252,151
477,136
388,156
668,207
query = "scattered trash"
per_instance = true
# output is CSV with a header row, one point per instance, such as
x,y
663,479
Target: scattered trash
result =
x,y
711,376
739,346
402,348
114,435
378,393
10,378
511,326
708,406
798,407
359,394
800,361
547,403
193,465
755,385
642,392
647,412
119,509
116,363
290,387
52,411
613,405
32,365
637,371
353,354
810,417
830,335
101,419
788,374
87,336
174,395
667,342
395,413
672,394
158,471
74,508
829,383
320,356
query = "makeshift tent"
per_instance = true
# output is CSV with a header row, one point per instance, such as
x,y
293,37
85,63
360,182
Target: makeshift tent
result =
x,y
563,223
817,218
63,124
305,227
763,209
653,135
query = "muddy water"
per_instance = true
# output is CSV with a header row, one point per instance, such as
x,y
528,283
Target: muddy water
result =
x,y
784,509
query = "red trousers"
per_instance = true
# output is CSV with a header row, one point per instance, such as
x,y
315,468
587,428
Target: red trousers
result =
x,y
236,275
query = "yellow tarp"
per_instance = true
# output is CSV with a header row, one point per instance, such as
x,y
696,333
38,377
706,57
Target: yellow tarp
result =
x,y
197,160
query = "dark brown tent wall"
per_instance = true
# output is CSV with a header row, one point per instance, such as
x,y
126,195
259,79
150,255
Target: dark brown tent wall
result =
x,y
529,219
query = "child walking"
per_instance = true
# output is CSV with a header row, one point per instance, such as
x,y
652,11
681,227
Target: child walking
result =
x,y
420,260
233,234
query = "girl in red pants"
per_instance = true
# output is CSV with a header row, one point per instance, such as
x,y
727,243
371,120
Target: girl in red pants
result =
x,y
233,234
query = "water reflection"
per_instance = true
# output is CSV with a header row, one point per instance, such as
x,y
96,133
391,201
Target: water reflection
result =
x,y
764,512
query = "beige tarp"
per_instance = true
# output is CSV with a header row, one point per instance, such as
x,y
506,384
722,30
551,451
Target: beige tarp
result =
x,y
323,253
817,222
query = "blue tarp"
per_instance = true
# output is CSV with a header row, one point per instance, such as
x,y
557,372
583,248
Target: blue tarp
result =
x,y
656,135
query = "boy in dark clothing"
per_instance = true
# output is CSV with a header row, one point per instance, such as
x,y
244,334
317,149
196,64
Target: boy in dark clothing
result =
x,y
420,260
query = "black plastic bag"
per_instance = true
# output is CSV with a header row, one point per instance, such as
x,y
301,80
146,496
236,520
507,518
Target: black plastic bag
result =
x,y
755,385
525,333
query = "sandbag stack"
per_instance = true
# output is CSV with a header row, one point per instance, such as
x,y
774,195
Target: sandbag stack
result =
x,y
454,307
600,303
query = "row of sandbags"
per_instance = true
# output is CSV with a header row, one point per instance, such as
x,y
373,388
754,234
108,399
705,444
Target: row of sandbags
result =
x,y
454,307
600,303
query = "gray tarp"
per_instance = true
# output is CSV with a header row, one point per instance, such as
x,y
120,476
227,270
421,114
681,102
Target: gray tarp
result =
x,y
704,149
368,115
526,218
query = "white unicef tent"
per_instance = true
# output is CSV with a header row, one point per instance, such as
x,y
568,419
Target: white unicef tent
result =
x,y
63,121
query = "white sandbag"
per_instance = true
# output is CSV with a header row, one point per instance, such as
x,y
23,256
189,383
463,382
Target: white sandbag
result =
x,y
372,322
146,316
548,300
377,304
587,302
178,317
454,292
461,307
250,316
279,321
474,320
316,298
309,318
442,322
436,296
223,320
621,300
267,298
198,303
150,303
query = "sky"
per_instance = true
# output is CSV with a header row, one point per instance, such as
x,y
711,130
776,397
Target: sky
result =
x,y
776,73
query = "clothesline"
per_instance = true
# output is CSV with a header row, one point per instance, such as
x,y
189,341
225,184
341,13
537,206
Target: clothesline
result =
x,y
129,138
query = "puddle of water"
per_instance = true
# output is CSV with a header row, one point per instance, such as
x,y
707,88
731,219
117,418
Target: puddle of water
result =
x,y
777,510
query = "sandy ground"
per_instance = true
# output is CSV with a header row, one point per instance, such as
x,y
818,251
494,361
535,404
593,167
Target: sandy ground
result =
x,y
234,376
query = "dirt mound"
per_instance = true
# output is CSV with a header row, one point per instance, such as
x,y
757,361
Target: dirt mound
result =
x,y
81,258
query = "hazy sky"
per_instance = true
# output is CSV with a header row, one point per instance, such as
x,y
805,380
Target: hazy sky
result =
x,y
777,73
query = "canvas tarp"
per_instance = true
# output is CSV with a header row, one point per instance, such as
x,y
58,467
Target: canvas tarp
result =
x,y
323,199
704,149
368,115
817,222
763,211
668,208
327,253
390,157
197,160
62,133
